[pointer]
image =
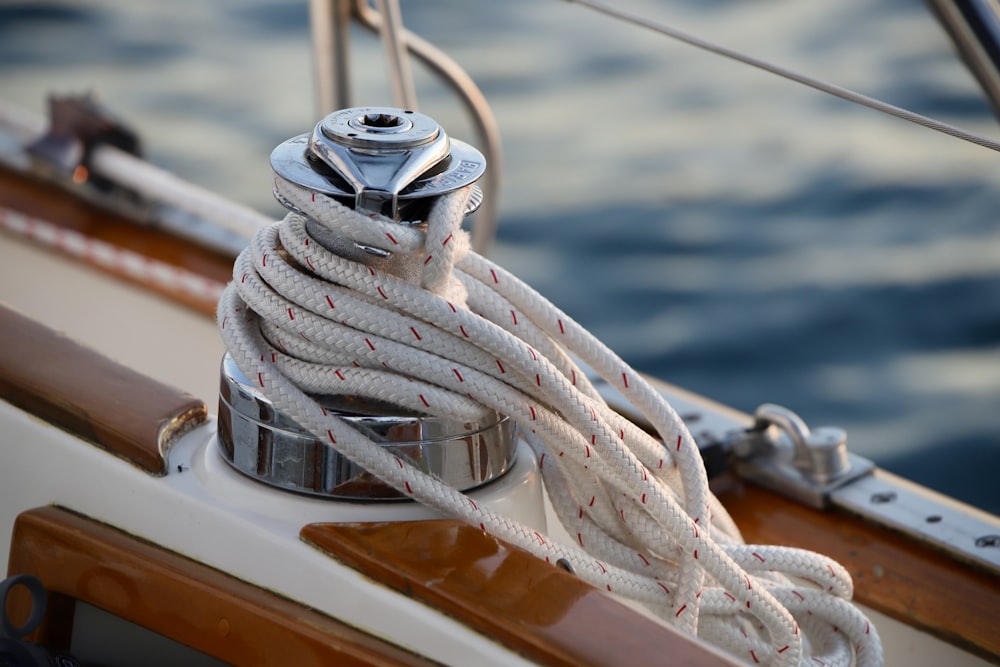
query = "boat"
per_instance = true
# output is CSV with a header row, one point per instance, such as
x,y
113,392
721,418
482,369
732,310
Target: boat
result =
x,y
134,516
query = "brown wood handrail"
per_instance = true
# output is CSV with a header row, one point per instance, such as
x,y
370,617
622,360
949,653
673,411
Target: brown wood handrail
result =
x,y
78,559
91,396
538,610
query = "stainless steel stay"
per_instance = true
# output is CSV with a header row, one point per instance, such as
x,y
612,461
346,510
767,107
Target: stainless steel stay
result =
x,y
666,30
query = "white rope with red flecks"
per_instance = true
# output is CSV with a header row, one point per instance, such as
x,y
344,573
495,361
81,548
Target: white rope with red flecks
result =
x,y
302,320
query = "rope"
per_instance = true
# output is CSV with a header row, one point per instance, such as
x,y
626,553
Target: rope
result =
x,y
302,321
162,186
147,179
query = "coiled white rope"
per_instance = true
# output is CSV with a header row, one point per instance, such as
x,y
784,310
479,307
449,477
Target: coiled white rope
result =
x,y
302,320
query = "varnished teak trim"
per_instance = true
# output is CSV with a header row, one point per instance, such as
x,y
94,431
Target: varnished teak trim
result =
x,y
91,396
539,611
79,559
892,573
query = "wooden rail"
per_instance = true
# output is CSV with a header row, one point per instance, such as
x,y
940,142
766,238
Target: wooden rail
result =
x,y
78,559
91,396
540,611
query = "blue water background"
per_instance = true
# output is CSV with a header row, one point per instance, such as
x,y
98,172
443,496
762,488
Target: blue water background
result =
x,y
724,230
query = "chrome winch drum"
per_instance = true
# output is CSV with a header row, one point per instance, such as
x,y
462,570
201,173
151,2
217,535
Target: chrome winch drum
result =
x,y
394,163
266,445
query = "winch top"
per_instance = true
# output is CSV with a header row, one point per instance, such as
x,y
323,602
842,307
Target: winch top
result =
x,y
379,159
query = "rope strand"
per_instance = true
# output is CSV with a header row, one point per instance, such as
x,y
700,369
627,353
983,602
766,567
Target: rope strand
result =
x,y
305,321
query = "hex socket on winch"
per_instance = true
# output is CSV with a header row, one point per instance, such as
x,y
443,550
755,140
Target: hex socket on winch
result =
x,y
383,160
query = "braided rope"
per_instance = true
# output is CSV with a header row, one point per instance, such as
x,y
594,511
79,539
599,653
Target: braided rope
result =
x,y
471,336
